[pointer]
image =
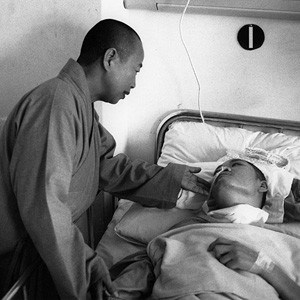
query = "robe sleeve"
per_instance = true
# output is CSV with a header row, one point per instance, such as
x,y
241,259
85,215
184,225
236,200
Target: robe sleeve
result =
x,y
41,171
137,180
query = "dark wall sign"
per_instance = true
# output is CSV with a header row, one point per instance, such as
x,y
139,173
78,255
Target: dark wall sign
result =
x,y
251,37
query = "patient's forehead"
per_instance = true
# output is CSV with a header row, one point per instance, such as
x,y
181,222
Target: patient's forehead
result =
x,y
236,160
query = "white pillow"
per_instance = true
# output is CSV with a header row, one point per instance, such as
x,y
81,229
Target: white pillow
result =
x,y
279,143
191,142
140,224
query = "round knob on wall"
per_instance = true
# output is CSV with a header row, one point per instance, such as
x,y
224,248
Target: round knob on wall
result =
x,y
251,37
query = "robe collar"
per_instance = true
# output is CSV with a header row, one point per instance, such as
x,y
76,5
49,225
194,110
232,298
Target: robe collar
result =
x,y
74,73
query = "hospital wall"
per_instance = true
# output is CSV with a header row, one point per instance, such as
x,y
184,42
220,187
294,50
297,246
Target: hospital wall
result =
x,y
38,36
262,82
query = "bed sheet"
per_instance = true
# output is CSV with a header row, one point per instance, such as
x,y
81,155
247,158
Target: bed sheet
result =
x,y
184,269
183,266
113,248
140,276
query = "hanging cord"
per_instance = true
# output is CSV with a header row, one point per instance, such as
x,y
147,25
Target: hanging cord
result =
x,y
188,54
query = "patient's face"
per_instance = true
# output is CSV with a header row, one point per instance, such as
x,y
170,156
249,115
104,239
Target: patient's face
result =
x,y
235,182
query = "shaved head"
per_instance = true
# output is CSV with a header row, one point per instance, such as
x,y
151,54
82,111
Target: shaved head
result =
x,y
108,34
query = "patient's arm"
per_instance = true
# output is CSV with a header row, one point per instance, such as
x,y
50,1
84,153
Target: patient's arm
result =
x,y
239,257
283,284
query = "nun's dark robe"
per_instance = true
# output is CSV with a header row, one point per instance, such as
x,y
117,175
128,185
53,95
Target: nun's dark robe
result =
x,y
55,157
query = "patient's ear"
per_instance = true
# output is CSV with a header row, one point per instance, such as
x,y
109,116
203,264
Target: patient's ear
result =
x,y
263,187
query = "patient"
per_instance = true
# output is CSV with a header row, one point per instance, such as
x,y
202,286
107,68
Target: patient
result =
x,y
236,194
240,182
237,181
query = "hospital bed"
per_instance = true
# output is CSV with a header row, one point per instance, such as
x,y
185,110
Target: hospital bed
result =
x,y
183,138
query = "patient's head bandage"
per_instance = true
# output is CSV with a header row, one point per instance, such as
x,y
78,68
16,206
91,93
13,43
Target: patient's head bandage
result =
x,y
274,167
258,156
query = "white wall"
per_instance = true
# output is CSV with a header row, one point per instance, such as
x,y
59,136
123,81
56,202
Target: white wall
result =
x,y
263,82
38,36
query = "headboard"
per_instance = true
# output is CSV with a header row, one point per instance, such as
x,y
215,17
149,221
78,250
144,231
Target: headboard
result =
x,y
267,125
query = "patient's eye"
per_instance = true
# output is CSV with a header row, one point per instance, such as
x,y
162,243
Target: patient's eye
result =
x,y
237,163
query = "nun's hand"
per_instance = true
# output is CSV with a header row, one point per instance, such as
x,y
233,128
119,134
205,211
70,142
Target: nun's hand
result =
x,y
193,183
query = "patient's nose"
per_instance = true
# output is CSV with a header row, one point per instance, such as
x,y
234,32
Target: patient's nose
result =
x,y
224,168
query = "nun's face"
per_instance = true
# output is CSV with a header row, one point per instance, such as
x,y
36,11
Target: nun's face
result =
x,y
235,182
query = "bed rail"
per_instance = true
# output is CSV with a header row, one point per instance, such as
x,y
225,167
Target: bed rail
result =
x,y
224,120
